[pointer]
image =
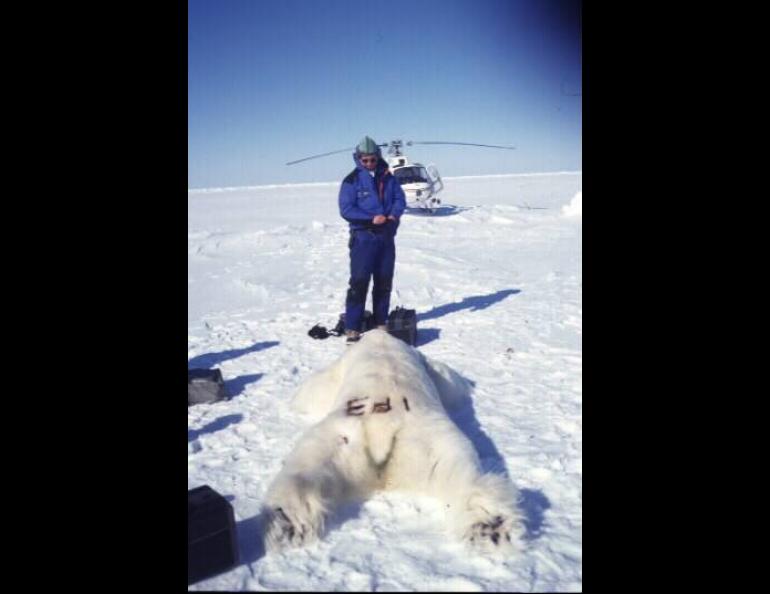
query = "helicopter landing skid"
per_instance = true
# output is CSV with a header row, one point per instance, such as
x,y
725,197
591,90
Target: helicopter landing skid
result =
x,y
420,208
430,205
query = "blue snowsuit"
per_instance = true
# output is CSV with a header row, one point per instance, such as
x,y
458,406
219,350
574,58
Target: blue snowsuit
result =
x,y
372,247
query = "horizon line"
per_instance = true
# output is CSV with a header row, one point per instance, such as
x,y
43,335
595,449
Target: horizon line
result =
x,y
334,183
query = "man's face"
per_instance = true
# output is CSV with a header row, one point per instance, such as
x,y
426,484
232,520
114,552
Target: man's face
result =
x,y
369,161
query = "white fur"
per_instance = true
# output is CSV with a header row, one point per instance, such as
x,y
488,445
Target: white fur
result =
x,y
381,423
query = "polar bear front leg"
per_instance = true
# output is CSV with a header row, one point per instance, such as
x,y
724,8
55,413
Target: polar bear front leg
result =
x,y
327,466
486,515
294,510
481,508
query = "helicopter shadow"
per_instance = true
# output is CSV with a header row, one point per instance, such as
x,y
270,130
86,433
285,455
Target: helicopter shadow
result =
x,y
441,211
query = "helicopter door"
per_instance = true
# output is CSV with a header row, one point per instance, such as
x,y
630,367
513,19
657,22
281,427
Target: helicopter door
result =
x,y
435,178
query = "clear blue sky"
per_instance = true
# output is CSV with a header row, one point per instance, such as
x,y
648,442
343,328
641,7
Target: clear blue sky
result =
x,y
271,81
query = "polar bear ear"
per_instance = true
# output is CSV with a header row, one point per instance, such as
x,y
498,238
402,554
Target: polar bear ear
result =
x,y
453,389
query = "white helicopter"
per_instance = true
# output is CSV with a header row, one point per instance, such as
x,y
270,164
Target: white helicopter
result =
x,y
421,183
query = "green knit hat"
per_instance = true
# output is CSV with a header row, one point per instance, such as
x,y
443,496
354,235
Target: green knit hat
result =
x,y
367,146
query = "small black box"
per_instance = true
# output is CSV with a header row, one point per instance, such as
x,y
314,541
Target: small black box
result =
x,y
205,385
212,546
402,323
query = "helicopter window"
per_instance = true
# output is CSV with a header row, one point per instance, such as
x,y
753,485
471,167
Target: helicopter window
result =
x,y
411,175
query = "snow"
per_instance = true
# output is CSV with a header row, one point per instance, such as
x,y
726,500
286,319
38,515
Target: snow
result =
x,y
575,207
496,278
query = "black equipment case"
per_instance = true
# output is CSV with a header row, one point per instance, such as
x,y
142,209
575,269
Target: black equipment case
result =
x,y
212,546
205,385
402,323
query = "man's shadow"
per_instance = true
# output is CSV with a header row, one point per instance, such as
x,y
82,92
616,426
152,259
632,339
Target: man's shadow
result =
x,y
474,303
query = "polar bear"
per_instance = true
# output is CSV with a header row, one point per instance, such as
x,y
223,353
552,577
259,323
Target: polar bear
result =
x,y
381,423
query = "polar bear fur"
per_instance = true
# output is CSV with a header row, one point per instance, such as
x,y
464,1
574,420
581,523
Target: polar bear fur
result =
x,y
382,424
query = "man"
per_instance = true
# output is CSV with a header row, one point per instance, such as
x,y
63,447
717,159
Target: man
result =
x,y
371,201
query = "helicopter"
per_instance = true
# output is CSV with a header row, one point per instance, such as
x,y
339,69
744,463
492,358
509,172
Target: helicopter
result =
x,y
421,183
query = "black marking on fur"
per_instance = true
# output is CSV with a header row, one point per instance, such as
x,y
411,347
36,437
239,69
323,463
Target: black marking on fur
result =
x,y
345,439
381,407
406,404
355,409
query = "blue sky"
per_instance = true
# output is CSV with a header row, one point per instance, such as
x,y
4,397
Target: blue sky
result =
x,y
271,81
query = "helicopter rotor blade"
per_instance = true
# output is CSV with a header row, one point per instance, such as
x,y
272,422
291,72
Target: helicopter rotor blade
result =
x,y
411,142
330,153
321,155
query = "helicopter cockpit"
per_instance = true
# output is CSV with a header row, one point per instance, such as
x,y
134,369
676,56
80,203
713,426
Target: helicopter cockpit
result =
x,y
411,175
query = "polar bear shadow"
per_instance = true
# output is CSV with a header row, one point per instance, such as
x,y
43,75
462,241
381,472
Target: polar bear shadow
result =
x,y
461,410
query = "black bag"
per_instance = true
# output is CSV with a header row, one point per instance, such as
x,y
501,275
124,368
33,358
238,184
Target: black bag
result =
x,y
402,323
212,546
205,385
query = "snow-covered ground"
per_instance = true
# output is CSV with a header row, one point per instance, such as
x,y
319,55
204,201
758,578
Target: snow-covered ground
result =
x,y
495,277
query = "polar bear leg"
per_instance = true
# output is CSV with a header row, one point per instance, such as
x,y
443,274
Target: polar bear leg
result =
x,y
294,511
481,508
486,516
327,466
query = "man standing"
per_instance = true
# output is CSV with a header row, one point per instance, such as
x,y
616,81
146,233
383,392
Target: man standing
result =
x,y
371,201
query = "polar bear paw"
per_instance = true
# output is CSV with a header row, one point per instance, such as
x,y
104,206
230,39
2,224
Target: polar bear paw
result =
x,y
494,533
285,529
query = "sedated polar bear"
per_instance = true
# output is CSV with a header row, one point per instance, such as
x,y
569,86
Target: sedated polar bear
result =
x,y
382,424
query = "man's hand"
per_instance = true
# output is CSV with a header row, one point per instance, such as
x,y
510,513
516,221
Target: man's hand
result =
x,y
379,219
392,218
